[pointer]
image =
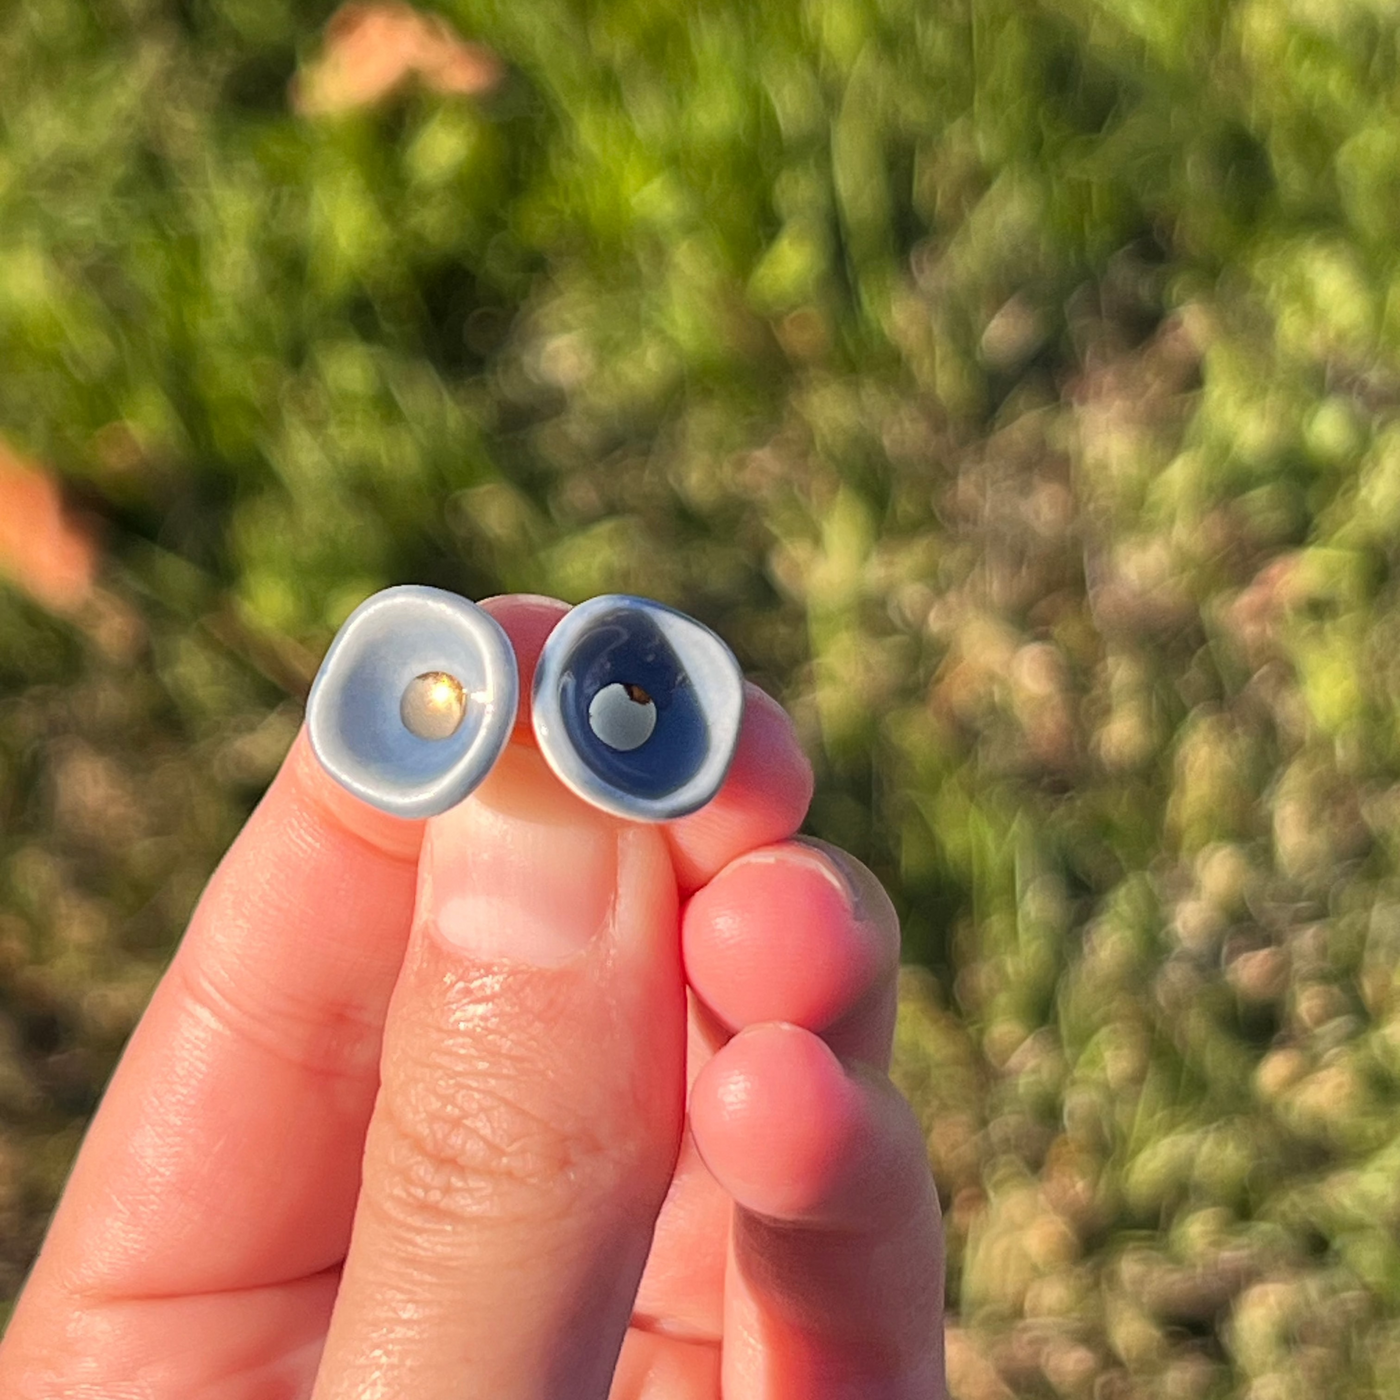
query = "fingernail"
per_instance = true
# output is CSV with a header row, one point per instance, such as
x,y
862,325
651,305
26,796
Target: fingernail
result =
x,y
852,878
522,872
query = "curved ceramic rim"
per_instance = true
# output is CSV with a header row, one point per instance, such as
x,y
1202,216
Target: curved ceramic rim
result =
x,y
447,789
724,712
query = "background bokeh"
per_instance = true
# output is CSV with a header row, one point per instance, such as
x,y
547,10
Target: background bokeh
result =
x,y
1014,383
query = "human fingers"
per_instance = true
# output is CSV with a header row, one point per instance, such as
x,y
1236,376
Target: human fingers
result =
x,y
245,1089
801,932
169,1161
797,932
530,1108
241,1103
835,1275
764,797
224,1157
766,794
654,1366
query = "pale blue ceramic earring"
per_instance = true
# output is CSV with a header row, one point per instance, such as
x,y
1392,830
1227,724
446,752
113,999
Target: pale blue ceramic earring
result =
x,y
637,707
415,700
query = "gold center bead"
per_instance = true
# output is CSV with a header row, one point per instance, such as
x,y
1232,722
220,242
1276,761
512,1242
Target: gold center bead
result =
x,y
433,705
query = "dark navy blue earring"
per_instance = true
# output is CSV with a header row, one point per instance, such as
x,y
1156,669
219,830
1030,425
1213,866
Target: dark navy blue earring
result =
x,y
415,700
637,707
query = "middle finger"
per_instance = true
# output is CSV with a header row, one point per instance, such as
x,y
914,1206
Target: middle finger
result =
x,y
798,932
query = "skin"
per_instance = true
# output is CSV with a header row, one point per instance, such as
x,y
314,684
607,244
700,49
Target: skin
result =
x,y
521,1102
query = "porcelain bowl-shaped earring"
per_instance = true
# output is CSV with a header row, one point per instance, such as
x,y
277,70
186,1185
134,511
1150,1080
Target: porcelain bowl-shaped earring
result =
x,y
637,707
415,700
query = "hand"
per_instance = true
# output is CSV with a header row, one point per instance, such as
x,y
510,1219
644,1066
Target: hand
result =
x,y
407,1115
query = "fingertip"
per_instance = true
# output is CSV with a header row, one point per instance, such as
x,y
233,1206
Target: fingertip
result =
x,y
784,933
870,902
794,1134
527,619
774,1116
764,798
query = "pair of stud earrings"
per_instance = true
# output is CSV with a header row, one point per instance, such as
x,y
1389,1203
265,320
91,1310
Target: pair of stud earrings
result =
x,y
636,707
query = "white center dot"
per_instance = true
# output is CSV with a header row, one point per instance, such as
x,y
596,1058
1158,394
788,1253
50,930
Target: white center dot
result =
x,y
622,716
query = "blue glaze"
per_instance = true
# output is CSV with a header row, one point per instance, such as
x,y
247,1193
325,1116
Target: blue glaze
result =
x,y
693,680
629,647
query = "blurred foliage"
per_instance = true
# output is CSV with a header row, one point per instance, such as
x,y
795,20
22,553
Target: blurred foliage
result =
x,y
1016,385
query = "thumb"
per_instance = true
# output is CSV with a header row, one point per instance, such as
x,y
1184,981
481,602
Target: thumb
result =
x,y
530,1106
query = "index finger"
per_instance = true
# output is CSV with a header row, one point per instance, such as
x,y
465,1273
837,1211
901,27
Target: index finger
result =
x,y
225,1153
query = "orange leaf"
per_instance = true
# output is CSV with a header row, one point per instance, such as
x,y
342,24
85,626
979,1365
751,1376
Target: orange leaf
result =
x,y
372,49
43,548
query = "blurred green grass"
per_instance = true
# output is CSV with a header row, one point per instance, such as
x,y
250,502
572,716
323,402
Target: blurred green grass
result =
x,y
1016,385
